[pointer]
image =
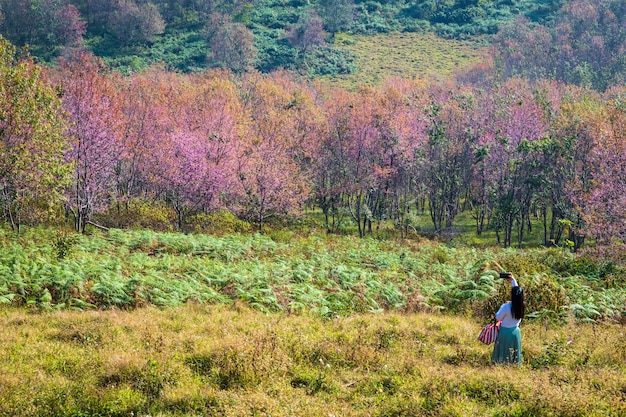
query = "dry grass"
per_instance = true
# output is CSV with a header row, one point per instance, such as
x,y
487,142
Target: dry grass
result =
x,y
406,55
231,361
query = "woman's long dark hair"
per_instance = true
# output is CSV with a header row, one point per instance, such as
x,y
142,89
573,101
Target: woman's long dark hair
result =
x,y
518,306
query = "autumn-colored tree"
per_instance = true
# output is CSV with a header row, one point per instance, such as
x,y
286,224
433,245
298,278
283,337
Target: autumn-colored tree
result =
x,y
268,168
33,170
89,96
603,210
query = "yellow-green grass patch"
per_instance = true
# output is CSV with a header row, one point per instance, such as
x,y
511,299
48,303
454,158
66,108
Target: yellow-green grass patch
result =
x,y
405,55
232,361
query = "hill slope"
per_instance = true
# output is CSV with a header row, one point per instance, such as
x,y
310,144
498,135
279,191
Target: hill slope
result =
x,y
407,55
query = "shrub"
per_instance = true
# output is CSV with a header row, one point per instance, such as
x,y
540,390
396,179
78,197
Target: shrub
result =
x,y
545,297
136,214
218,223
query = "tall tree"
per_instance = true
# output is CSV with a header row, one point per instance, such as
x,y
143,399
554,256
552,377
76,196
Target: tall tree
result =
x,y
206,143
603,212
89,96
269,169
512,142
33,170
404,128
354,154
145,109
566,159
447,152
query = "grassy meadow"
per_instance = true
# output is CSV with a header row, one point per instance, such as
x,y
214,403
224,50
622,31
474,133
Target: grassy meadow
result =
x,y
406,55
218,360
138,323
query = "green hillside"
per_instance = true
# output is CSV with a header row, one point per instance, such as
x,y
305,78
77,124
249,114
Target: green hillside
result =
x,y
407,55
261,34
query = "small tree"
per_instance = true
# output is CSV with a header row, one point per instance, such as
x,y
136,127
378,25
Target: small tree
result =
x,y
308,33
338,15
232,44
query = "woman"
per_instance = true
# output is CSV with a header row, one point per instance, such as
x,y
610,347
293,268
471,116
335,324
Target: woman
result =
x,y
508,345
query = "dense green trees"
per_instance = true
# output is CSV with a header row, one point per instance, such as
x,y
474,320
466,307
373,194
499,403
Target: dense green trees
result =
x,y
132,34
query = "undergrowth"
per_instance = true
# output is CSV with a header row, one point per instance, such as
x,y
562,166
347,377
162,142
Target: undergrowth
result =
x,y
120,323
322,274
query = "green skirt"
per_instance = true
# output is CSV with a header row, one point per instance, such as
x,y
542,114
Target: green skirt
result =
x,y
508,346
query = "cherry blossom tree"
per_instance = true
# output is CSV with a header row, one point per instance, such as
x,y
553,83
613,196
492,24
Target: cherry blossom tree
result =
x,y
268,167
145,120
208,140
405,130
604,203
89,96
355,154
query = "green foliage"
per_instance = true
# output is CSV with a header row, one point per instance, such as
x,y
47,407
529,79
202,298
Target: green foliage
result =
x,y
555,354
139,214
63,244
328,276
150,379
221,222
544,295
329,61
33,168
180,47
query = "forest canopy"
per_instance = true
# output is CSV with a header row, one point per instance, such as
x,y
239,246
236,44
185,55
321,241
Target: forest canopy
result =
x,y
528,134
266,146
